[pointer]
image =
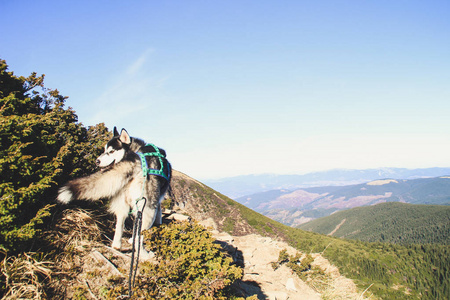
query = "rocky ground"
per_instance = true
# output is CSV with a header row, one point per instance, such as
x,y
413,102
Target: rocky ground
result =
x,y
256,254
98,262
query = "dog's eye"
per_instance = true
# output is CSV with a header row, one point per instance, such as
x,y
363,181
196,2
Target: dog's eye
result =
x,y
112,151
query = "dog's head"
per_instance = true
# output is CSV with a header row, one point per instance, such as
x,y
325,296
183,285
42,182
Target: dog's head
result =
x,y
115,149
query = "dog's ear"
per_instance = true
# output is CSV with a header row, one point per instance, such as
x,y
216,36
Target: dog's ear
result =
x,y
116,133
125,137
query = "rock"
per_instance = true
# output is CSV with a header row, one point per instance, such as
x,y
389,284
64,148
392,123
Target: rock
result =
x,y
167,211
224,237
209,223
179,217
100,258
290,285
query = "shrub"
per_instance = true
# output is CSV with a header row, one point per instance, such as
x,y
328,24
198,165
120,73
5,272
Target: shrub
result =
x,y
297,264
189,265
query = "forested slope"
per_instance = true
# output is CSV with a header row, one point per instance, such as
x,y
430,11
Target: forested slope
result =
x,y
388,222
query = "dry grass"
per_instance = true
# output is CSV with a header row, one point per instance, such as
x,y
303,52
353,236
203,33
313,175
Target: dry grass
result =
x,y
35,276
26,276
75,230
75,233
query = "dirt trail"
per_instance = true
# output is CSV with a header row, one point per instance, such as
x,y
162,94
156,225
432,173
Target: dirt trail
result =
x,y
337,227
257,254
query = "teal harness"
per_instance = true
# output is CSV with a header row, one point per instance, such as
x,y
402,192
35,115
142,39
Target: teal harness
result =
x,y
163,171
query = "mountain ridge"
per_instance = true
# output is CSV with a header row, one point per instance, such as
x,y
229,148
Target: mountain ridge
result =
x,y
238,186
294,207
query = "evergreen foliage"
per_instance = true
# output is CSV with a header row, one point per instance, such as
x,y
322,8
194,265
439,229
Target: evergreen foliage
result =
x,y
394,222
41,145
189,265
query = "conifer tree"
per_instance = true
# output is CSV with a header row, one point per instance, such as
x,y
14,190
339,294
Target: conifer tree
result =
x,y
41,145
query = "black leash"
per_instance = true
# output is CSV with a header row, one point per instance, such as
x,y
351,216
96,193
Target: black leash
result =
x,y
137,225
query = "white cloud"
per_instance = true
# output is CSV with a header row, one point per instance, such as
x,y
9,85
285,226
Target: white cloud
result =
x,y
139,63
129,95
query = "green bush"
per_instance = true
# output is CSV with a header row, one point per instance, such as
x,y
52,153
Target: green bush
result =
x,y
297,264
41,146
189,265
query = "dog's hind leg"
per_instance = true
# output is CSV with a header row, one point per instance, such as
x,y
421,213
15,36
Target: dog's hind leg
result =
x,y
158,217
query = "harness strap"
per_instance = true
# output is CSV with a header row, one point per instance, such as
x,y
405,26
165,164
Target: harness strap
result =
x,y
158,172
164,170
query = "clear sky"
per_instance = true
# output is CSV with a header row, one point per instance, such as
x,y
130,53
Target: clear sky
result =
x,y
246,87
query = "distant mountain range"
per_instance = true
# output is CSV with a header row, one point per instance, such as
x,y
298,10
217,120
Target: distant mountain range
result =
x,y
295,207
388,222
235,187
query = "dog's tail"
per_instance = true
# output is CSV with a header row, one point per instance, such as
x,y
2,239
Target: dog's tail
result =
x,y
65,194
170,192
100,185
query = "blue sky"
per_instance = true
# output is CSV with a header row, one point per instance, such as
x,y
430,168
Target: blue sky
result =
x,y
246,87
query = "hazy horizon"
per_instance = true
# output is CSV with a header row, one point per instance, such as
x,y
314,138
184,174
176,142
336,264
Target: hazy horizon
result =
x,y
320,171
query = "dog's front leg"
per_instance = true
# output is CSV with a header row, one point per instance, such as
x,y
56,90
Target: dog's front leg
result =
x,y
120,223
119,207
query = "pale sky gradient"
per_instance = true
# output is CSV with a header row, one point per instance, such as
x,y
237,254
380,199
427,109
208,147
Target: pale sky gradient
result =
x,y
246,87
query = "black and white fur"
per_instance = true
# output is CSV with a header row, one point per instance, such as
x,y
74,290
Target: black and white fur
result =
x,y
121,180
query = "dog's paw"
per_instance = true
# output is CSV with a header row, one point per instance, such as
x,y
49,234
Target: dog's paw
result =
x,y
146,255
65,195
116,245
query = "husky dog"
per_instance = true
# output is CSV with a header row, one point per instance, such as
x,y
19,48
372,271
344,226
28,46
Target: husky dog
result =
x,y
126,176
